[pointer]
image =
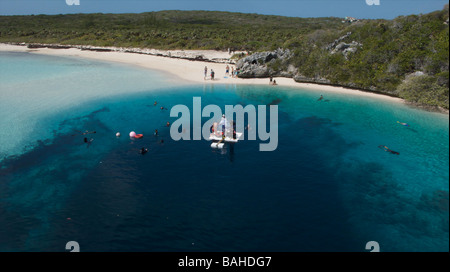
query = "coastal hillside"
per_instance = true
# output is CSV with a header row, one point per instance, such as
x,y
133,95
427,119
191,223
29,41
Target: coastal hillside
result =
x,y
164,29
406,57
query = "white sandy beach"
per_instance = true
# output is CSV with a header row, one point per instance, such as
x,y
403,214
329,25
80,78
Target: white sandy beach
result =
x,y
189,71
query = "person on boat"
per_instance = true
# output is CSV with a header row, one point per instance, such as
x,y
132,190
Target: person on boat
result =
x,y
143,150
223,123
223,139
234,129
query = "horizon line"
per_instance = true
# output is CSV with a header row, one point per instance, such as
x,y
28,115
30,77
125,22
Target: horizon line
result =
x,y
222,11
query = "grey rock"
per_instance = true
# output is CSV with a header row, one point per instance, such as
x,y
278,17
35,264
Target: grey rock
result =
x,y
338,41
346,48
255,65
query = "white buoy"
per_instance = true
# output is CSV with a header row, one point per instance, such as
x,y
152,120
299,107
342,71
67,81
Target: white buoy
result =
x,y
118,134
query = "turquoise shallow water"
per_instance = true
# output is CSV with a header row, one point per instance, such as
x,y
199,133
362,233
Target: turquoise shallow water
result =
x,y
35,87
327,187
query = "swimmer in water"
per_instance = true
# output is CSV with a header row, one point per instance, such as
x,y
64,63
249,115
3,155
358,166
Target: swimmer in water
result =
x,y
85,132
403,124
156,132
388,150
88,141
143,150
154,104
320,98
168,124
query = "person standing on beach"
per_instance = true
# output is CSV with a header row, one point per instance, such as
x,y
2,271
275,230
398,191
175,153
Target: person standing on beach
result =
x,y
212,74
206,71
227,70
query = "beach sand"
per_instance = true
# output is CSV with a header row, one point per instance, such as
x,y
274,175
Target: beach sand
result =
x,y
188,71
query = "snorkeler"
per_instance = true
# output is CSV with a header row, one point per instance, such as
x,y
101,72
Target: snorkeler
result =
x,y
388,150
403,124
162,108
88,142
85,132
143,150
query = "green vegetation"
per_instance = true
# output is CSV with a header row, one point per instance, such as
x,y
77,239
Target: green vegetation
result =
x,y
390,51
163,30
387,52
412,90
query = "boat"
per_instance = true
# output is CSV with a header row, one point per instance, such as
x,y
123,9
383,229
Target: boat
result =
x,y
223,133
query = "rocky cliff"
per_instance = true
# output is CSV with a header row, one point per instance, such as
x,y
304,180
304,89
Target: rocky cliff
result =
x,y
258,65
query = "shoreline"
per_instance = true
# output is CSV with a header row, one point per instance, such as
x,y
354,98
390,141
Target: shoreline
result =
x,y
184,65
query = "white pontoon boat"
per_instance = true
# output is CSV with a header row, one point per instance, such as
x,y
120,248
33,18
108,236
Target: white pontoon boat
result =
x,y
219,139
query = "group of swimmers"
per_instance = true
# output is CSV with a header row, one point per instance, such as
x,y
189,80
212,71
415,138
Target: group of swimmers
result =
x,y
385,148
144,150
